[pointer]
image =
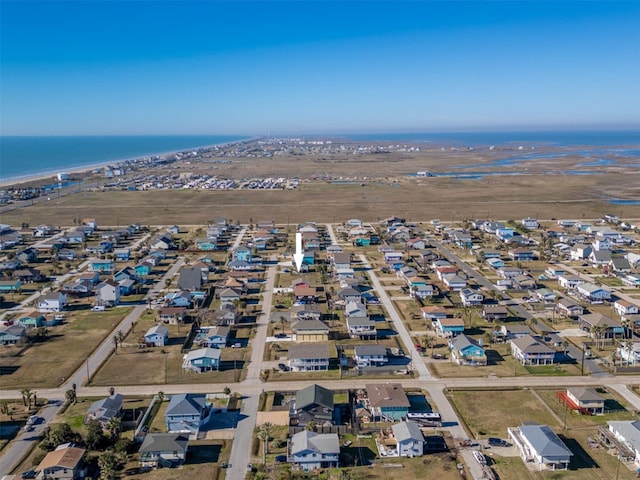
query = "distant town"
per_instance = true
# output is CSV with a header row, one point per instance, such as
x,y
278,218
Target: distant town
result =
x,y
476,348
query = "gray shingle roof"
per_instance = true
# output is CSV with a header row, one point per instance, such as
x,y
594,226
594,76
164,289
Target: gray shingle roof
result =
x,y
164,442
407,431
186,404
316,442
314,394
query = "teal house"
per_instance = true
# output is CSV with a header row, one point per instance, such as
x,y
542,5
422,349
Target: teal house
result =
x,y
387,401
33,320
10,285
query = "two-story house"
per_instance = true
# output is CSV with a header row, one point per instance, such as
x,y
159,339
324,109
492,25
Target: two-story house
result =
x,y
308,357
312,404
387,401
370,355
529,350
310,451
186,413
467,350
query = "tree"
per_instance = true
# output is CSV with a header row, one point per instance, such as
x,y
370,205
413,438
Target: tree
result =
x,y
597,332
4,407
58,434
27,397
264,434
114,428
108,463
160,396
70,395
95,435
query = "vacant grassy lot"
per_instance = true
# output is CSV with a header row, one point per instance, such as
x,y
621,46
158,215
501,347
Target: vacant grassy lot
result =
x,y
44,364
541,407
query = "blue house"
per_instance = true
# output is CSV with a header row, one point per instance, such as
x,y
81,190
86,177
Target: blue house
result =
x,y
186,413
309,258
202,360
242,253
12,334
206,244
127,273
449,327
158,336
466,350
362,242
33,320
10,285
387,401
101,266
122,254
143,269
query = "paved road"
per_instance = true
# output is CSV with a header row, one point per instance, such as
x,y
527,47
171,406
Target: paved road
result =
x,y
397,321
13,454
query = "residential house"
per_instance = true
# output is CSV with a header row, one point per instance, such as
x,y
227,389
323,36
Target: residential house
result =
x,y
453,282
305,294
308,357
496,263
190,278
312,451
64,463
423,292
178,299
620,265
341,260
523,282
216,337
553,272
144,268
52,302
609,328
225,315
362,328
538,444
28,275
545,295
569,308
433,312
510,272
514,331
242,253
494,312
32,320
387,401
310,331
530,223
569,281
449,327
15,334
471,298
229,296
624,307
632,280
580,252
600,257
108,293
529,350
349,294
106,409
172,315
312,404
157,336
104,267
187,413
370,355
202,360
355,310
593,293
206,244
306,312
466,350
521,255
10,285
584,400
163,450
627,432
409,439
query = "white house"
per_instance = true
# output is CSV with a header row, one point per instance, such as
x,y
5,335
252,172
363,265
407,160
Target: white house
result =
x,y
530,351
409,438
310,451
624,307
593,293
370,355
627,433
538,444
471,297
52,302
108,293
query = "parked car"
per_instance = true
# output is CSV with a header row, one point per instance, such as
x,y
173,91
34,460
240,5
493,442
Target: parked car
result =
x,y
224,465
282,367
236,345
281,459
29,474
497,442
250,467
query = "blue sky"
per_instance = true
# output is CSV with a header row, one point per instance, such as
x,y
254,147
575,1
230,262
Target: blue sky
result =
x,y
145,67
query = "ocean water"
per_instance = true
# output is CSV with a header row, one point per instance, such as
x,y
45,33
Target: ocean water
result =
x,y
24,156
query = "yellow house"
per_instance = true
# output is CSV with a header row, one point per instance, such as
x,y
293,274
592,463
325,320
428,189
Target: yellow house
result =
x,y
310,331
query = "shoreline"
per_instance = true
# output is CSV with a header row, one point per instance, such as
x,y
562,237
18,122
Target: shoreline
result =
x,y
86,168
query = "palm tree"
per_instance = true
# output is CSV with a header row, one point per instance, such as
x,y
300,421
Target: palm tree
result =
x,y
70,395
27,396
429,342
4,407
597,332
264,433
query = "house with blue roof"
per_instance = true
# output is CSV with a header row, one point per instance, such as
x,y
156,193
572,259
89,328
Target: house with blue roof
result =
x,y
101,266
186,413
540,445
